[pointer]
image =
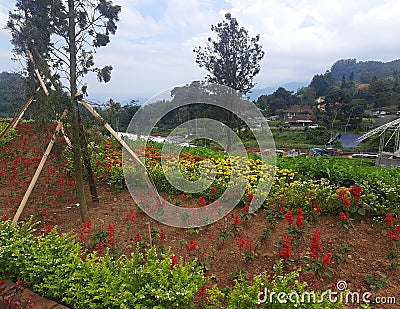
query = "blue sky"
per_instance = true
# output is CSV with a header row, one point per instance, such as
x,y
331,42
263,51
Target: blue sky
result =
x,y
152,49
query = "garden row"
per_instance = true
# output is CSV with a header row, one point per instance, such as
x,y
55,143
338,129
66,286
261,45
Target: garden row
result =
x,y
56,266
301,181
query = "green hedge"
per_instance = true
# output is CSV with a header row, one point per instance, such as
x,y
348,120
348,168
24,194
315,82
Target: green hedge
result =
x,y
53,265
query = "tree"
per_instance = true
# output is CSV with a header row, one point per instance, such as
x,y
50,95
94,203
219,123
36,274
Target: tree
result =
x,y
233,57
63,36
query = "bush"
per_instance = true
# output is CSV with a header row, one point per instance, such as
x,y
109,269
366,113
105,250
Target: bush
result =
x,y
249,296
55,267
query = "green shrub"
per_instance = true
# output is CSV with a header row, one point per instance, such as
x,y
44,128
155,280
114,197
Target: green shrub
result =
x,y
55,266
244,295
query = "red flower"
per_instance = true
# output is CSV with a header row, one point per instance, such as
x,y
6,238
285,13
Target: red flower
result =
x,y
202,291
161,234
202,201
110,234
213,193
244,243
281,209
137,238
236,220
174,261
389,219
4,218
245,209
48,229
299,221
190,246
326,260
286,250
356,191
251,196
341,194
209,236
316,247
288,217
182,196
131,217
346,202
343,217
98,163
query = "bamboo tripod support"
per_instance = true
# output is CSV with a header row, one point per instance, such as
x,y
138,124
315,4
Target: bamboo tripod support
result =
x,y
112,131
122,142
38,171
13,123
53,139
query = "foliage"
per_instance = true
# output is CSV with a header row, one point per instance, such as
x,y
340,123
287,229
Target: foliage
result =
x,y
362,69
35,24
232,59
55,266
376,280
12,86
244,295
5,141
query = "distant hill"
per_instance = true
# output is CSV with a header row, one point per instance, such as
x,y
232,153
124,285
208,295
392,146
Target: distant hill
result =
x,y
12,96
292,86
364,71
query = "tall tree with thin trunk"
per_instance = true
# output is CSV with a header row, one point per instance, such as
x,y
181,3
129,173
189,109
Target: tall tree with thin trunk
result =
x,y
63,35
232,57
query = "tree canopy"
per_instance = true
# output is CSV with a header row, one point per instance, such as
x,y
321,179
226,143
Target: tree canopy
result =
x,y
232,58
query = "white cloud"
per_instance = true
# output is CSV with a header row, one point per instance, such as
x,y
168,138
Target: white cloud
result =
x,y
152,49
304,37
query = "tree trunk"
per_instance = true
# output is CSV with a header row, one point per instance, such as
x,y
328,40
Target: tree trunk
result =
x,y
88,164
76,147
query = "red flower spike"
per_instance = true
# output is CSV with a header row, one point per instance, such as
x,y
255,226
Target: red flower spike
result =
x,y
316,247
326,260
288,217
343,217
174,261
236,220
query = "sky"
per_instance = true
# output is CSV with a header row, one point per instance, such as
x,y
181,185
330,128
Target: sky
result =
x,y
153,47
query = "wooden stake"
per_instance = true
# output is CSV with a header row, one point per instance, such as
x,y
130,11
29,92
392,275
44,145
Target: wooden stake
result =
x,y
14,122
112,131
123,144
38,171
42,84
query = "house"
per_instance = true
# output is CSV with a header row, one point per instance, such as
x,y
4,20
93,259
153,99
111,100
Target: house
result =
x,y
300,115
363,87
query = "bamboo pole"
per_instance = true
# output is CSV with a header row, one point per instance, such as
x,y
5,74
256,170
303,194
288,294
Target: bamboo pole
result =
x,y
38,171
42,84
112,131
122,142
14,122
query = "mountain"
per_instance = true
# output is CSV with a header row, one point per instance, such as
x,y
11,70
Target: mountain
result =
x,y
364,71
12,93
292,86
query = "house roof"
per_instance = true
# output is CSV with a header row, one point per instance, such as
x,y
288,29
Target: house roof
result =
x,y
363,86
